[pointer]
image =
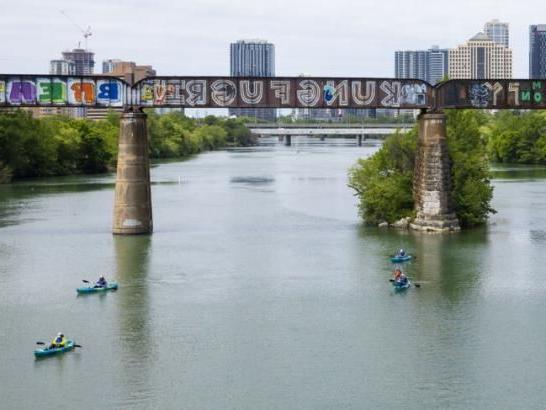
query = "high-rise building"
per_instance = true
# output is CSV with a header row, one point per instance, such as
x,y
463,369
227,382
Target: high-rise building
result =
x,y
537,51
127,70
498,32
410,64
61,67
480,57
83,60
253,58
437,64
108,65
428,65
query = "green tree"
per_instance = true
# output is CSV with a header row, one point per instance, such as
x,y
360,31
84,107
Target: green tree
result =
x,y
472,189
383,182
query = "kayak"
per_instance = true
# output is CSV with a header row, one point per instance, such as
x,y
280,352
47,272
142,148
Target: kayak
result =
x,y
397,258
401,286
92,289
49,352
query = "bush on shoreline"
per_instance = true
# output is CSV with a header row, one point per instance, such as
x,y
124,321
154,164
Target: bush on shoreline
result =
x,y
383,182
58,145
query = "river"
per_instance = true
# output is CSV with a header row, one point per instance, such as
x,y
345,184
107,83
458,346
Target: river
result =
x,y
261,289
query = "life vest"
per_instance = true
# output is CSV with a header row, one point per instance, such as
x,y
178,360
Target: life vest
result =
x,y
59,341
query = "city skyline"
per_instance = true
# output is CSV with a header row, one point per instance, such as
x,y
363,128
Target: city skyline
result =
x,y
359,43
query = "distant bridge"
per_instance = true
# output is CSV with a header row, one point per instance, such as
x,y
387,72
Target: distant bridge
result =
x,y
358,131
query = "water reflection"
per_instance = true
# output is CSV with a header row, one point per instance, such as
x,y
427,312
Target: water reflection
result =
x,y
518,172
136,340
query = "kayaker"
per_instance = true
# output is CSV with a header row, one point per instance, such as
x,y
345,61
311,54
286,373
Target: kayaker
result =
x,y
402,279
101,283
402,252
397,274
58,342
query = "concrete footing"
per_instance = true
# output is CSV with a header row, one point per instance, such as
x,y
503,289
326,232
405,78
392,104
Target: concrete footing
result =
x,y
288,140
133,199
359,140
432,178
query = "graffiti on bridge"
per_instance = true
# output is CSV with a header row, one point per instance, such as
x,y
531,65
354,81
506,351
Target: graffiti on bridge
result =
x,y
222,92
492,94
281,92
269,92
62,91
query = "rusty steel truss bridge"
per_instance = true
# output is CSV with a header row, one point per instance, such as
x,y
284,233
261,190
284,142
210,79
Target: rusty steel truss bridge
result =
x,y
268,92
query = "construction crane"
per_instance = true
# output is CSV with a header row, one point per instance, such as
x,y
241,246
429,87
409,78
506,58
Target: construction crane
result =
x,y
86,33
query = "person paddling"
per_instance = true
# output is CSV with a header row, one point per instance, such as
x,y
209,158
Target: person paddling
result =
x,y
58,342
101,283
400,277
401,253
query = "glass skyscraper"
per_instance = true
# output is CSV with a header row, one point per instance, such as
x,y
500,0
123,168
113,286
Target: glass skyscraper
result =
x,y
537,51
253,58
428,65
498,32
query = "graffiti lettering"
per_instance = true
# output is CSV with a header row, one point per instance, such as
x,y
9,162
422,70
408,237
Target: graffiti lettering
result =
x,y
514,89
174,96
309,94
197,91
160,92
21,92
51,91
366,99
415,94
336,92
392,93
253,96
223,92
82,92
496,88
281,90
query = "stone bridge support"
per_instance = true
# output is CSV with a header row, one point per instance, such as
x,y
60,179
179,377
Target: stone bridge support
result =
x,y
288,140
432,177
133,199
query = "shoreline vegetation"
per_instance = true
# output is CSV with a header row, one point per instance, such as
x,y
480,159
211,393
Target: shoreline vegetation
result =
x,y
57,145
383,182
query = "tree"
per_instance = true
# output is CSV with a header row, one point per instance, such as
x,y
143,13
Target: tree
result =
x,y
383,182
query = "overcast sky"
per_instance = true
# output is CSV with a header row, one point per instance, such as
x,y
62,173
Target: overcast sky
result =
x,y
316,37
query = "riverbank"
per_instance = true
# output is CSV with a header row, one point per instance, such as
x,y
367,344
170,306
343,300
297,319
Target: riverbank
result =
x,y
56,145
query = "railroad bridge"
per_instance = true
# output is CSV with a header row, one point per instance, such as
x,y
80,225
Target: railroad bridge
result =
x,y
133,203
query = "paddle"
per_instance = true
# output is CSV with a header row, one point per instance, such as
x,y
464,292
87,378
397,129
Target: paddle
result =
x,y
417,285
85,281
80,346
40,343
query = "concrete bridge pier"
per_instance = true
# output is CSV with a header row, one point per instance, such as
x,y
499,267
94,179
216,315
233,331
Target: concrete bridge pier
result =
x,y
288,140
281,138
322,137
133,199
359,140
432,177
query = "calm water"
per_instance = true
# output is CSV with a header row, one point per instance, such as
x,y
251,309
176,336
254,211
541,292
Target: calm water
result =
x,y
260,289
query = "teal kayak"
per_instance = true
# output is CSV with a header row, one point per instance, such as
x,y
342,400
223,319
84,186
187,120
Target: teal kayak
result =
x,y
398,286
95,289
46,351
396,259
